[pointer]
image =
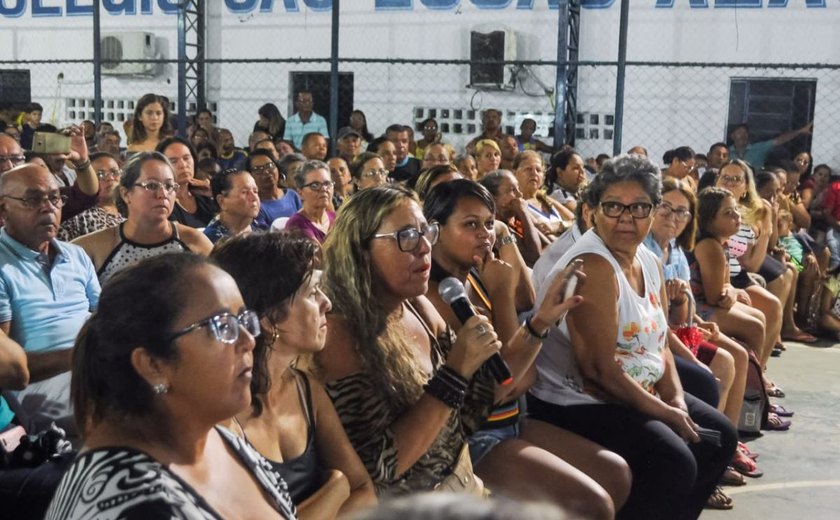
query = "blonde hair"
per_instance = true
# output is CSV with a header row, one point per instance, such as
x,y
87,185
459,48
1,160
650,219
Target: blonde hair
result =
x,y
751,201
383,347
482,144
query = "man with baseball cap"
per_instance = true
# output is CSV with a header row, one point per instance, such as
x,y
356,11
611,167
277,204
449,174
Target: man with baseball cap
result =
x,y
348,144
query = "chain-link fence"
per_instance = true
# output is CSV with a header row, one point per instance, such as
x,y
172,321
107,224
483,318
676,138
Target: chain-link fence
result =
x,y
665,104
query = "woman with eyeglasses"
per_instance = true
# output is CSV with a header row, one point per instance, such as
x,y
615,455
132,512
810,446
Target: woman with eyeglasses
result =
x,y
194,204
517,457
153,376
368,171
146,196
407,392
606,371
276,201
291,420
672,233
104,214
680,165
315,218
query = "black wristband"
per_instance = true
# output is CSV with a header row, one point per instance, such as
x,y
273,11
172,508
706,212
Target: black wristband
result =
x,y
533,332
442,390
454,378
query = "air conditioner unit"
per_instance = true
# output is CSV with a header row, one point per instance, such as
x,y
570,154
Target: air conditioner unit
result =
x,y
486,51
118,49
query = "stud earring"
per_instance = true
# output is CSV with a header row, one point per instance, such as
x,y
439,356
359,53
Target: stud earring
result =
x,y
160,388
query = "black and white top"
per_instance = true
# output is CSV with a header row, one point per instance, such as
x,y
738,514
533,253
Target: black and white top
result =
x,y
128,253
118,483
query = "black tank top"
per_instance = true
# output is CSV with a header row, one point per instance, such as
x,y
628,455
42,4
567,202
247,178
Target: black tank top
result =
x,y
303,474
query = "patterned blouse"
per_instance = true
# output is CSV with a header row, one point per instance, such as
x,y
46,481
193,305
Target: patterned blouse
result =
x,y
640,341
88,221
367,417
116,483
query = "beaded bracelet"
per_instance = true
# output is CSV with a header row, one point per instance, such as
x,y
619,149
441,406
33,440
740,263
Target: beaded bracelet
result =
x,y
84,166
441,389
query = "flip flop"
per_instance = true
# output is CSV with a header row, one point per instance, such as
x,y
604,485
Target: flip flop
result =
x,y
743,448
775,391
719,500
745,465
731,477
800,337
776,423
780,410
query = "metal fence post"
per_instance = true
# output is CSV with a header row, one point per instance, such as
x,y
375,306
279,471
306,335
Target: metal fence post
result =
x,y
182,69
334,78
619,81
562,71
97,67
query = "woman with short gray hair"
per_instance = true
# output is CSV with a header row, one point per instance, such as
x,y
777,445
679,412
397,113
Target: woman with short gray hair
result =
x,y
315,185
606,372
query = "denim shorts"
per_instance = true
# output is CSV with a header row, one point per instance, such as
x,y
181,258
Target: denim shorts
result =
x,y
483,441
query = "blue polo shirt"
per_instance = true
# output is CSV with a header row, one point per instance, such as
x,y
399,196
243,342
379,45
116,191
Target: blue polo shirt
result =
x,y
46,309
296,129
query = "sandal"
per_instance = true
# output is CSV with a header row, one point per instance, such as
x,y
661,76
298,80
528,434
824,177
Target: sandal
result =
x,y
780,410
745,465
776,423
731,477
746,451
719,500
799,336
775,391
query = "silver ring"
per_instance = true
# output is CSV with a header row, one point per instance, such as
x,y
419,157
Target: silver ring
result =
x,y
481,329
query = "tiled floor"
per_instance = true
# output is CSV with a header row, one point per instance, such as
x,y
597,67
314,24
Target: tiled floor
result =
x,y
801,466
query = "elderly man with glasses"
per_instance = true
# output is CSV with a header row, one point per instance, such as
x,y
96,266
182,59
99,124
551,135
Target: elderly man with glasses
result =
x,y
47,290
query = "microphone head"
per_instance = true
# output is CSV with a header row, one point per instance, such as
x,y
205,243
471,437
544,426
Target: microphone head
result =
x,y
450,289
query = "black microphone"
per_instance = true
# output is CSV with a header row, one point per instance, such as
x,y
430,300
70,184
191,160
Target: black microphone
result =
x,y
453,293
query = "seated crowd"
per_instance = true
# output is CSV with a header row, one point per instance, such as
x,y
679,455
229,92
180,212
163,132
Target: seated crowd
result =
x,y
274,333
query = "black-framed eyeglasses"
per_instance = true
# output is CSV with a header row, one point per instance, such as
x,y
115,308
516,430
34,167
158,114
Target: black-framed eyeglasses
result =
x,y
55,200
225,326
14,159
667,211
319,185
109,174
636,210
154,186
409,238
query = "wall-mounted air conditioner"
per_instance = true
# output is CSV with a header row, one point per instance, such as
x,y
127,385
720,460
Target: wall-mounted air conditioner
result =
x,y
118,49
486,51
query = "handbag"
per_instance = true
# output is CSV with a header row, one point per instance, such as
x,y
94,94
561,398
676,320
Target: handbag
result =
x,y
689,333
462,479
